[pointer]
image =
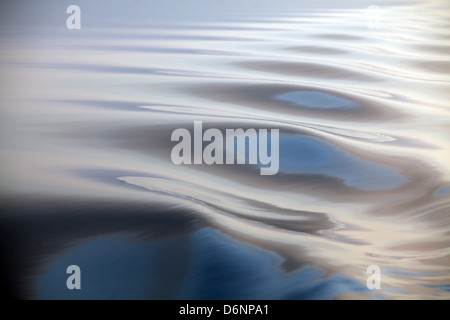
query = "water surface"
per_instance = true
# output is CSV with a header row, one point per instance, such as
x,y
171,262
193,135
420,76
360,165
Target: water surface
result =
x,y
87,179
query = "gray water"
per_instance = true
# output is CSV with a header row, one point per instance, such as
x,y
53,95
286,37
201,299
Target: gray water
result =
x,y
86,118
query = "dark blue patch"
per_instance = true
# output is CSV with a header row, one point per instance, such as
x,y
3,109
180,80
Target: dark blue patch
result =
x,y
209,265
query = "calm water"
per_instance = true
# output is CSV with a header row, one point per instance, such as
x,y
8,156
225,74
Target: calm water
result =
x,y
86,175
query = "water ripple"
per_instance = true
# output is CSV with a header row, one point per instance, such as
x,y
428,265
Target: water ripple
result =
x,y
364,177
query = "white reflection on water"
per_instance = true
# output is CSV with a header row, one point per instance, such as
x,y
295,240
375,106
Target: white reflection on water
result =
x,y
364,117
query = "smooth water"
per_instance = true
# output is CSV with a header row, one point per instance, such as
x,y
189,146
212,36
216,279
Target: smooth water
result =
x,y
86,118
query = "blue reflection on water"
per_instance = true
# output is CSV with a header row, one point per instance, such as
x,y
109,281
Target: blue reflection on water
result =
x,y
306,154
111,268
315,99
208,265
442,191
439,287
